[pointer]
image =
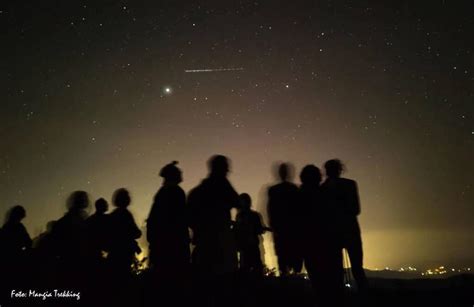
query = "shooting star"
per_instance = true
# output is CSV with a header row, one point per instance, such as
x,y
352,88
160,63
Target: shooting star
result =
x,y
214,69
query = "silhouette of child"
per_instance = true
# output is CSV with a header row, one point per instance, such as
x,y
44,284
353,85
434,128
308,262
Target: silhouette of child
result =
x,y
248,230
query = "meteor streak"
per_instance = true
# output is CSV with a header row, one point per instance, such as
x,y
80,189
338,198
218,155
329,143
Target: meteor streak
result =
x,y
214,69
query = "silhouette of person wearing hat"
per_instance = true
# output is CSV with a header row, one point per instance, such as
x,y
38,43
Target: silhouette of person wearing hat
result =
x,y
167,225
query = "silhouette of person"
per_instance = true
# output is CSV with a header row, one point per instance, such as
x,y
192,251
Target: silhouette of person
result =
x,y
284,217
15,244
248,231
210,204
342,195
45,255
14,238
167,226
123,232
70,234
43,243
322,252
97,226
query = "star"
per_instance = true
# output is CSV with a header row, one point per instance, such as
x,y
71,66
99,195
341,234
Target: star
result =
x,y
167,90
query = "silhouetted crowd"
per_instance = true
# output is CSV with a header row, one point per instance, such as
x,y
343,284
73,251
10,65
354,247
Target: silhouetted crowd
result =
x,y
193,240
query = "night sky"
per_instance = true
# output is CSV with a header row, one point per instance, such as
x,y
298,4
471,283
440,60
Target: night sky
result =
x,y
94,96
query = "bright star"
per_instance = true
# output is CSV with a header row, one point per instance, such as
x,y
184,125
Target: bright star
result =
x,y
167,90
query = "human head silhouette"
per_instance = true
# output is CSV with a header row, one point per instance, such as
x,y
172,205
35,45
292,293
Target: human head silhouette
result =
x,y
121,198
101,206
284,171
218,166
334,168
310,175
15,214
171,173
77,201
245,201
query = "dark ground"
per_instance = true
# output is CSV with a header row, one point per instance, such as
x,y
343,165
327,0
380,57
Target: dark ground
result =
x,y
268,291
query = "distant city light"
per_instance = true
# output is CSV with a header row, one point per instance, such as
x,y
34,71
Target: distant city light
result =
x,y
440,270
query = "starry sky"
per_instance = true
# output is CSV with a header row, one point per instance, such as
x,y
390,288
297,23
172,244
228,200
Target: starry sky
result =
x,y
95,96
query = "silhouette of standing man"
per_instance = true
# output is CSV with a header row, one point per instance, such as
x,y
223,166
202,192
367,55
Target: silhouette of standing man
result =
x,y
168,237
322,252
283,214
15,241
167,226
214,258
70,233
342,195
210,203
15,245
97,226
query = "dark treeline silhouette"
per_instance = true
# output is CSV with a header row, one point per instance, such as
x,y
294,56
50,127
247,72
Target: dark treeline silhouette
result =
x,y
195,248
